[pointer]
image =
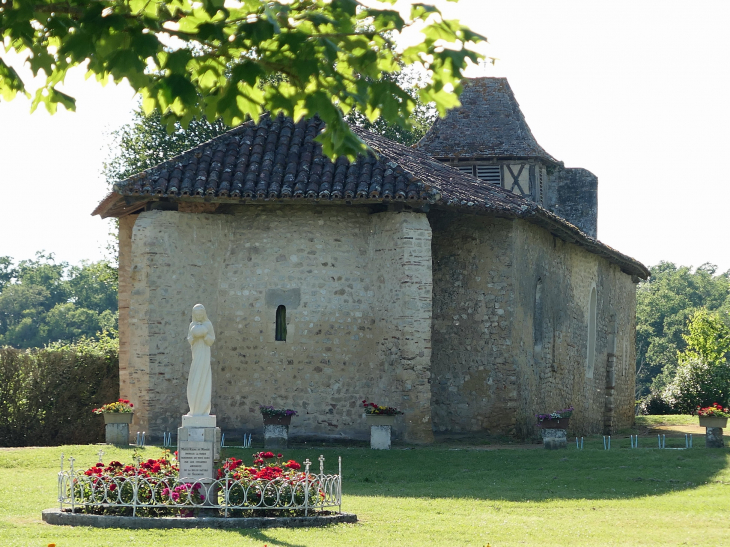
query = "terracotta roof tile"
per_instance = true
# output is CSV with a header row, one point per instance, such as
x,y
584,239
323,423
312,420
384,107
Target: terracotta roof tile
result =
x,y
278,159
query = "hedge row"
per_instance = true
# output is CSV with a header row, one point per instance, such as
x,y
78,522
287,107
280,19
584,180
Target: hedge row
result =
x,y
47,394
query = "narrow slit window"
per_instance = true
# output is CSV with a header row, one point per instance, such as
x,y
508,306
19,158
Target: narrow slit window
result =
x,y
537,320
281,324
592,311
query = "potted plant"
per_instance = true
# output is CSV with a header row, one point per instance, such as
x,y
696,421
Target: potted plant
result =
x,y
379,415
117,417
118,412
276,426
276,416
555,420
381,420
713,416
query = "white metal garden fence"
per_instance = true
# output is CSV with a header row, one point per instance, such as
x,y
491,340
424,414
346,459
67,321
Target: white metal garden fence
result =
x,y
304,492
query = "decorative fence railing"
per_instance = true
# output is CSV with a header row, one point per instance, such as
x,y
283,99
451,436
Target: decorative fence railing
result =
x,y
298,493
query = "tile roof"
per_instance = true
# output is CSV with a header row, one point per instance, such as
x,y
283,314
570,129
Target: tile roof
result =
x,y
488,124
278,160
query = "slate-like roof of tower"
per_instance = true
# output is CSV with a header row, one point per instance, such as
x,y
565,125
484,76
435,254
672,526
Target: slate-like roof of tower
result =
x,y
278,161
488,124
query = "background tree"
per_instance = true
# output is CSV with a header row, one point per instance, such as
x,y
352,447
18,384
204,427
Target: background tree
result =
x,y
42,301
331,55
703,374
145,142
665,303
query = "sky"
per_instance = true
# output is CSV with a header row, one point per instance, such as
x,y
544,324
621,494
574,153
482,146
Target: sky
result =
x,y
636,92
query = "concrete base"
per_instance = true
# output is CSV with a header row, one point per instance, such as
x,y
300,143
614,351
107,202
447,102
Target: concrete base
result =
x,y
117,434
276,436
554,439
380,437
198,421
713,438
58,517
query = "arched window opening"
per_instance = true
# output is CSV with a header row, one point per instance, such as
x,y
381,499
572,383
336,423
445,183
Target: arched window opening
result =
x,y
537,318
281,324
591,355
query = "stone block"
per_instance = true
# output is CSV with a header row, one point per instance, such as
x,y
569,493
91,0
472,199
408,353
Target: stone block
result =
x,y
554,439
198,421
380,437
713,438
198,449
276,436
117,434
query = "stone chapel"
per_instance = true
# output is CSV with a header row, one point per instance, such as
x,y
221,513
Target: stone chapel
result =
x,y
459,280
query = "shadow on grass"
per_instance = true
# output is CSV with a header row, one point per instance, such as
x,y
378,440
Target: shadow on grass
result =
x,y
523,475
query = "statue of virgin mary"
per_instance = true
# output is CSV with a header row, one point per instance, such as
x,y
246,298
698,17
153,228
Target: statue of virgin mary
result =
x,y
200,337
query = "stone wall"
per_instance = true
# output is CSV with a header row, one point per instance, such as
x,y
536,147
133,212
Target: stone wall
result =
x,y
474,382
511,306
126,225
338,270
573,195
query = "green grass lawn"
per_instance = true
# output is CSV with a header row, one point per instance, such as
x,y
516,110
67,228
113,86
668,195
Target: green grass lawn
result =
x,y
679,419
438,496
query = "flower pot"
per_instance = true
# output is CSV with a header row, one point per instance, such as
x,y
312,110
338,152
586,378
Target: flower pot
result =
x,y
118,417
380,419
556,423
277,420
712,421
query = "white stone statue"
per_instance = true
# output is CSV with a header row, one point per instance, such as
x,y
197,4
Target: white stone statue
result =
x,y
201,337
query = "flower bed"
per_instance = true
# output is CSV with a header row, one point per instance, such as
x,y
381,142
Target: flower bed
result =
x,y
269,487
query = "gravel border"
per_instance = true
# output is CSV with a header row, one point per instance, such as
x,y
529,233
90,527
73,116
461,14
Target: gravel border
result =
x,y
58,517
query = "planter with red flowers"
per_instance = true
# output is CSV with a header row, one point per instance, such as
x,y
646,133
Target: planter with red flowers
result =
x,y
714,419
117,417
381,420
276,426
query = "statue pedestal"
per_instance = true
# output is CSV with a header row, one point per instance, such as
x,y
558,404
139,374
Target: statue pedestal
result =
x,y
198,447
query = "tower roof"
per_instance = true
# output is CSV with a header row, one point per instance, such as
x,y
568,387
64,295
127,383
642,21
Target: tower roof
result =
x,y
489,124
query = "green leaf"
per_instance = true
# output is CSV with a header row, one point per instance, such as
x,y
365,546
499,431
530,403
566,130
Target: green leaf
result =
x,y
10,82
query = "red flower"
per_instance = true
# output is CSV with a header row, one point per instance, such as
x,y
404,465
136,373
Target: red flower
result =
x,y
131,405
279,455
267,455
291,464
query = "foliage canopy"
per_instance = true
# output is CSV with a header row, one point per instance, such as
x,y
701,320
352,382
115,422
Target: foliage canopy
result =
x,y
703,374
665,303
42,301
330,56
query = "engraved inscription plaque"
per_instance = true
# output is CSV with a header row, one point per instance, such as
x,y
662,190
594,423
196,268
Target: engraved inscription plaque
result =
x,y
196,460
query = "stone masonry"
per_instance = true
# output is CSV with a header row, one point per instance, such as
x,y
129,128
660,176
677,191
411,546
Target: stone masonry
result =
x,y
360,329
495,363
459,280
